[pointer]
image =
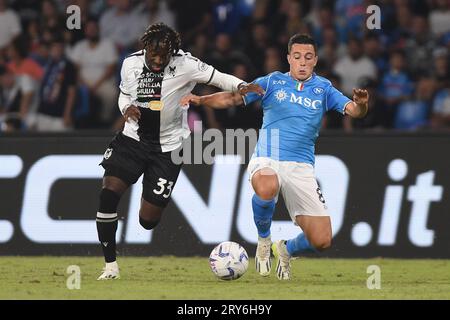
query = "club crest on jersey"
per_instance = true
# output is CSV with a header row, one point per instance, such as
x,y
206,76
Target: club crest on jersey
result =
x,y
155,105
108,153
172,71
318,90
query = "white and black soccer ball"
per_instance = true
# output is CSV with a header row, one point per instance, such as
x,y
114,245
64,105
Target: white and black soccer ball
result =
x,y
228,260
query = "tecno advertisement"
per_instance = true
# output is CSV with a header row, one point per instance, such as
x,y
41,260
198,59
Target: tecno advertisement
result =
x,y
388,195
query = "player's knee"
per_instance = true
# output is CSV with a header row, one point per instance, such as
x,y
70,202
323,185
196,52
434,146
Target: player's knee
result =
x,y
265,185
321,243
148,224
109,200
266,191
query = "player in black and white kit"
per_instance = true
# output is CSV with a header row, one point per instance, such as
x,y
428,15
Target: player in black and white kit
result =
x,y
153,81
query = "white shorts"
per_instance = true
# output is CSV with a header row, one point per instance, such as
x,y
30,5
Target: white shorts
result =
x,y
298,185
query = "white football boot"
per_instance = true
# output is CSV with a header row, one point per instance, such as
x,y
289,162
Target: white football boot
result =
x,y
283,260
110,272
262,257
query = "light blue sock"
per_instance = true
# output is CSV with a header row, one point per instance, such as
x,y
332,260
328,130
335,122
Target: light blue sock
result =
x,y
299,245
262,215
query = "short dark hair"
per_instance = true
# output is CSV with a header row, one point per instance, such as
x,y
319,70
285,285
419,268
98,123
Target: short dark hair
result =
x,y
161,35
301,39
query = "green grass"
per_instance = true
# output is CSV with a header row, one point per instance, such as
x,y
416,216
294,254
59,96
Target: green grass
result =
x,y
191,278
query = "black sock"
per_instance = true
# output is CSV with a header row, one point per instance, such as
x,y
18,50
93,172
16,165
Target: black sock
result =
x,y
107,223
107,236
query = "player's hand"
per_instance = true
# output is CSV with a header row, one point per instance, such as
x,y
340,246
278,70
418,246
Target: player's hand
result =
x,y
360,96
132,112
250,87
190,99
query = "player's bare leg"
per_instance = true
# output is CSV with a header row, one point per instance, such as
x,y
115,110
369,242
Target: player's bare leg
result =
x,y
112,190
266,186
149,214
317,230
316,237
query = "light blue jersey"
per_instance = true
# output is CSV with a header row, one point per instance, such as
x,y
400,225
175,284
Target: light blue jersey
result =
x,y
293,112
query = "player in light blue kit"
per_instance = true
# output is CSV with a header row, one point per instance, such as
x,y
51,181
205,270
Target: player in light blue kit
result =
x,y
293,104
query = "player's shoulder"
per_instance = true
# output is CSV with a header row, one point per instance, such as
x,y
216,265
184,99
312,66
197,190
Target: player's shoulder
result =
x,y
322,80
188,63
273,75
136,55
182,57
135,58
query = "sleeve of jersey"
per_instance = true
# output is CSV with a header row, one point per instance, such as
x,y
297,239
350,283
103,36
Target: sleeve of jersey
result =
x,y
335,100
126,87
204,73
263,82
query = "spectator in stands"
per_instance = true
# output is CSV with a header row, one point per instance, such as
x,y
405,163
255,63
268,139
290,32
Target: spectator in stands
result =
x,y
200,47
440,18
351,16
20,63
155,11
96,60
50,17
228,14
354,66
224,55
373,49
441,67
259,39
440,114
57,93
273,61
331,49
420,46
122,25
413,114
396,86
9,25
16,96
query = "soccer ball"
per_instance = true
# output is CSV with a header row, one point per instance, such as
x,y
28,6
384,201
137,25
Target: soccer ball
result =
x,y
228,260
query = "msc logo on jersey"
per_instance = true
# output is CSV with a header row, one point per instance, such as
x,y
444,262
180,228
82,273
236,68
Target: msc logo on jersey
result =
x,y
306,102
280,95
318,90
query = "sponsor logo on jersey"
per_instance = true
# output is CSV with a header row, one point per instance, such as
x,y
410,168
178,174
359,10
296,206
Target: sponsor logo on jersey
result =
x,y
202,66
280,95
306,102
108,153
282,82
155,105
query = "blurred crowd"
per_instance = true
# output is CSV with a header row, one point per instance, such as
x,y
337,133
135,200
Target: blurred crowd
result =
x,y
56,79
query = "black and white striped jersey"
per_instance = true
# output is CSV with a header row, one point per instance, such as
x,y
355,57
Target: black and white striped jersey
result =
x,y
163,122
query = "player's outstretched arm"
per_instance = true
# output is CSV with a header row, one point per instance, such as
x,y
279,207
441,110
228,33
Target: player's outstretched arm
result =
x,y
360,104
220,100
223,100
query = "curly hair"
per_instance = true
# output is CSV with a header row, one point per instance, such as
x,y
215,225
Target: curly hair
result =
x,y
160,35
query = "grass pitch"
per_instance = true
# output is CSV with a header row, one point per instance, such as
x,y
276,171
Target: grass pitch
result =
x,y
190,278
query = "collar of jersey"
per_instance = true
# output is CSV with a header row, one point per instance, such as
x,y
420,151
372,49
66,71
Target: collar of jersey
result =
x,y
309,79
